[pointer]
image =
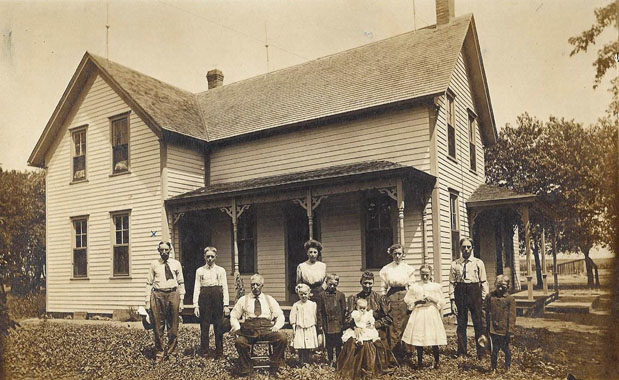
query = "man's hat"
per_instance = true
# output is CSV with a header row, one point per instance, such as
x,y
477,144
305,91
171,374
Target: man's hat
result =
x,y
147,318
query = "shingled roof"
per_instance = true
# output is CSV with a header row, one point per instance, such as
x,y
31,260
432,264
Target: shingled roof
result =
x,y
489,193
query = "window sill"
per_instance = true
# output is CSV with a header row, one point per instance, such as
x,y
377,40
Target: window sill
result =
x,y
120,173
473,171
78,181
119,277
79,278
453,159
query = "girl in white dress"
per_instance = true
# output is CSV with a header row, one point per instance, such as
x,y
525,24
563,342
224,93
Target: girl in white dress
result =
x,y
305,324
425,325
363,329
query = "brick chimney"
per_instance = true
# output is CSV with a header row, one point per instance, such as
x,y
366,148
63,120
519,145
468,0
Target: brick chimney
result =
x,y
215,78
444,11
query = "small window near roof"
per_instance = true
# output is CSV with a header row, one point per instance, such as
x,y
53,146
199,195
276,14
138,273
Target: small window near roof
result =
x,y
80,247
121,244
120,144
79,154
451,126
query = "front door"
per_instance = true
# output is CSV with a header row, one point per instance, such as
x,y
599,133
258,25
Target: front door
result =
x,y
194,236
297,233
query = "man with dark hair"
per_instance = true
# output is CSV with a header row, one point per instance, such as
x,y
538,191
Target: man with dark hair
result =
x,y
468,288
165,288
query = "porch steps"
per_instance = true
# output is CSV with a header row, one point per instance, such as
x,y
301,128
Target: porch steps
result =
x,y
535,307
575,304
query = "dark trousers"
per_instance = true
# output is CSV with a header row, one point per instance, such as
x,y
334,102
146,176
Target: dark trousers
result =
x,y
500,342
468,298
164,306
254,330
211,309
333,342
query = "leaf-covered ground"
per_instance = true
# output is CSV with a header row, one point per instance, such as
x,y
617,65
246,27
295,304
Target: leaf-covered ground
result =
x,y
64,350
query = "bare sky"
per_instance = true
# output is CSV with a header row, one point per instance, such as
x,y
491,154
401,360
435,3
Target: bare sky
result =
x,y
523,42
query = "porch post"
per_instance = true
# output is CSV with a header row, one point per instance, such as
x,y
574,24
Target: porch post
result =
x,y
424,238
554,259
400,200
310,213
235,238
527,244
544,274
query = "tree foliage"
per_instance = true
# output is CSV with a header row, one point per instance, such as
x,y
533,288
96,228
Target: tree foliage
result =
x,y
22,230
567,166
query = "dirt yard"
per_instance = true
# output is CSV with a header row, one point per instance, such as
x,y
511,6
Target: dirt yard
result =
x,y
70,350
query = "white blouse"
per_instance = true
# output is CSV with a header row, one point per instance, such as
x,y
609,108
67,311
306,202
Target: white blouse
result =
x,y
397,275
311,273
420,290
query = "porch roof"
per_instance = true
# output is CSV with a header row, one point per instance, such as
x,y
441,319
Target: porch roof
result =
x,y
490,195
296,180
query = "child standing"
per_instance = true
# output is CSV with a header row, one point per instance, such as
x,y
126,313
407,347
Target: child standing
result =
x,y
500,320
332,310
306,323
363,329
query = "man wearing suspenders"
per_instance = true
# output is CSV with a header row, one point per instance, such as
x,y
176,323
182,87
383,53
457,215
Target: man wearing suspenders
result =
x,y
263,318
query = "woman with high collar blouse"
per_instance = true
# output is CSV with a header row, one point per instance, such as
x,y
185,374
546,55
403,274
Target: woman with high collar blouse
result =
x,y
397,277
312,272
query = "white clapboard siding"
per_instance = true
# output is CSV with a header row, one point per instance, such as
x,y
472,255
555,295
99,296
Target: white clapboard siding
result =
x,y
185,169
399,136
456,174
138,192
271,249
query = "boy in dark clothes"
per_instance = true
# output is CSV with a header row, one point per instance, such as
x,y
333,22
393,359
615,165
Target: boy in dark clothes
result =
x,y
500,320
332,307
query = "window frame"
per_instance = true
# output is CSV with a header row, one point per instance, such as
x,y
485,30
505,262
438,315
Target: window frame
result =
x,y
248,216
450,121
74,220
112,120
472,124
82,129
365,232
454,223
114,244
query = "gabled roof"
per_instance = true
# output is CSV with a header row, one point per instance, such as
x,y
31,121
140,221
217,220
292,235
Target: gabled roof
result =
x,y
301,179
486,194
410,66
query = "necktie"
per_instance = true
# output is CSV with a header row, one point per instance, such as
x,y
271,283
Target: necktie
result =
x,y
464,269
257,308
168,272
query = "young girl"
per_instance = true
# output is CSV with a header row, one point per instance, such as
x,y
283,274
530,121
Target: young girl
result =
x,y
363,329
306,323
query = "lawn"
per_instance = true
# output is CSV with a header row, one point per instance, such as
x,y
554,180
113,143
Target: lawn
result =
x,y
69,350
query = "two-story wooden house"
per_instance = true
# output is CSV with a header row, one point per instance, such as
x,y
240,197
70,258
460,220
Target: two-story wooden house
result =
x,y
379,144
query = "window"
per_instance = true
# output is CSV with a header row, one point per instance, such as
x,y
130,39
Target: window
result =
x,y
121,244
378,230
455,225
472,151
80,247
451,126
246,241
120,144
79,154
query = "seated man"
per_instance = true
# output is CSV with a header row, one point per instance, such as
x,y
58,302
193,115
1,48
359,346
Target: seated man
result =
x,y
258,310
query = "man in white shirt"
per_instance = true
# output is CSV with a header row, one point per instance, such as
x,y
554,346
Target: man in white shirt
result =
x,y
165,288
210,301
263,319
468,287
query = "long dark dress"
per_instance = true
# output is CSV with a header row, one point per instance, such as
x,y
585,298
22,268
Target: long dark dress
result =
x,y
357,360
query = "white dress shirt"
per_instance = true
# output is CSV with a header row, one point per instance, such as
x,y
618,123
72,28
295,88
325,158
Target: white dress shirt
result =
x,y
396,275
215,276
156,277
244,308
475,273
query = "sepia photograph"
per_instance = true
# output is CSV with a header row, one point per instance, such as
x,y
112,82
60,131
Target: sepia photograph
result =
x,y
309,189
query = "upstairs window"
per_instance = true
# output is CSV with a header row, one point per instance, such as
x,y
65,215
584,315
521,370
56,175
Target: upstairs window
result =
x,y
79,154
246,241
472,148
378,230
455,224
80,247
121,244
120,144
451,126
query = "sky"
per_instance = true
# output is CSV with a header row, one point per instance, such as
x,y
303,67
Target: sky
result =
x,y
523,42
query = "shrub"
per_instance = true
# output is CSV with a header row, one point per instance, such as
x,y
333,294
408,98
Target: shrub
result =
x,y
28,306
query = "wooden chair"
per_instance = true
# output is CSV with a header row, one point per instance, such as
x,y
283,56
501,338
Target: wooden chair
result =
x,y
260,357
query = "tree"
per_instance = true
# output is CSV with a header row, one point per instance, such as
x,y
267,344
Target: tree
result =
x,y
22,230
559,161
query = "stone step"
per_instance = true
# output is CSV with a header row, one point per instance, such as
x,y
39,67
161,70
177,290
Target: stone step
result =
x,y
569,307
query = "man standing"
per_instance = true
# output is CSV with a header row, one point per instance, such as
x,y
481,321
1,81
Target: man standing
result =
x,y
210,300
468,288
165,288
263,320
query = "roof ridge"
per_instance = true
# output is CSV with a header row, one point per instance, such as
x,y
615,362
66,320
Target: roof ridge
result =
x,y
426,28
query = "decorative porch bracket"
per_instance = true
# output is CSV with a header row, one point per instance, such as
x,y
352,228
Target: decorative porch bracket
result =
x,y
397,194
309,204
235,212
